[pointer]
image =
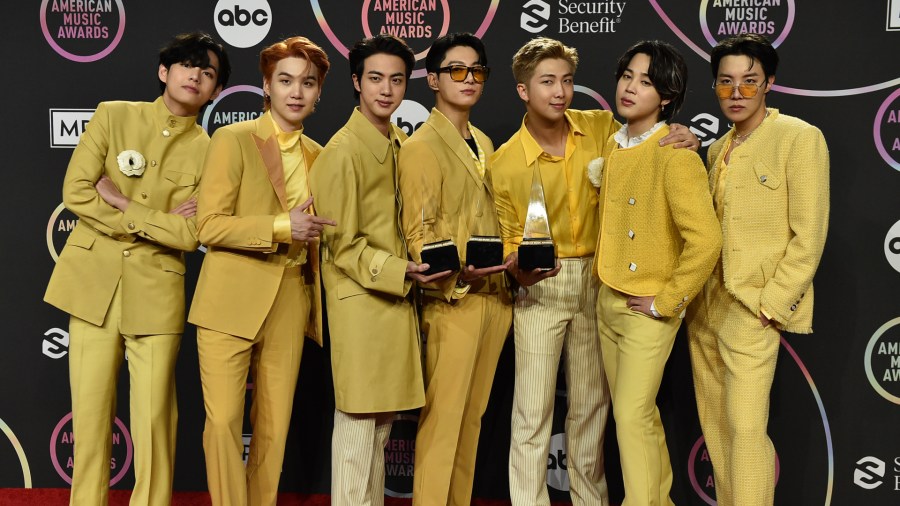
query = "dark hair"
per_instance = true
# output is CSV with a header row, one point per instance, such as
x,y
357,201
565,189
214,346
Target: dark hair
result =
x,y
381,43
445,43
299,47
192,48
667,72
752,45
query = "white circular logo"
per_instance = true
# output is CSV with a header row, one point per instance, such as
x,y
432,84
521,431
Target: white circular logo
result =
x,y
535,16
243,23
892,246
410,116
557,463
882,360
868,472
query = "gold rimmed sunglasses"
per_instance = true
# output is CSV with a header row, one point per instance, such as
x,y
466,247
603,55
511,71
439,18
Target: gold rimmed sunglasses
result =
x,y
747,90
459,73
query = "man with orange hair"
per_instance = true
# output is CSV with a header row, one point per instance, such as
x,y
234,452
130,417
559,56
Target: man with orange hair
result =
x,y
259,285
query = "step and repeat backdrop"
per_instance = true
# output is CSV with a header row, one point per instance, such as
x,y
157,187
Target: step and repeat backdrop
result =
x,y
836,398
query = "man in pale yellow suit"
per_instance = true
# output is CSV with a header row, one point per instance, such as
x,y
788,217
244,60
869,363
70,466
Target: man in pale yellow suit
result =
x,y
555,311
466,316
375,352
259,285
131,181
770,185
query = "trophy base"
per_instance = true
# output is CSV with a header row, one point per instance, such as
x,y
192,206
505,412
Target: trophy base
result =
x,y
537,254
484,251
440,256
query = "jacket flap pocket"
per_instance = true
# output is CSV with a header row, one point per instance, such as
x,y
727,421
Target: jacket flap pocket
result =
x,y
171,264
181,178
346,287
766,176
81,237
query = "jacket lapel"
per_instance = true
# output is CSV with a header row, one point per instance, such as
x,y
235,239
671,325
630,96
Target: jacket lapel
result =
x,y
267,144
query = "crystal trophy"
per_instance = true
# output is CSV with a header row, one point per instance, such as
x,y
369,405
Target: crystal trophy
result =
x,y
537,250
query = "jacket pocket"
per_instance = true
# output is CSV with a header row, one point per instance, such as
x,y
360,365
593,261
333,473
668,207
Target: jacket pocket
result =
x,y
170,264
181,178
346,287
81,237
766,176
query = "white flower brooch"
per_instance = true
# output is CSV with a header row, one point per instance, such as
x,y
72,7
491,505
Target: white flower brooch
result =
x,y
131,163
595,171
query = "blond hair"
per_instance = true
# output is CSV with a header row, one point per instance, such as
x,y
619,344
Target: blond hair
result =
x,y
535,51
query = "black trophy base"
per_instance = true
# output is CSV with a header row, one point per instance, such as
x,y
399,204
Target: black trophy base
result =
x,y
537,254
440,256
484,251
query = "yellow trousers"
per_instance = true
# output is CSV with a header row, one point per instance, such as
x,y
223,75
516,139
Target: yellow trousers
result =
x,y
272,358
95,356
557,318
357,458
733,360
635,350
463,344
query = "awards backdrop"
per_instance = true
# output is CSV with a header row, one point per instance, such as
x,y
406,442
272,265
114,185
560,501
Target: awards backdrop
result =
x,y
836,399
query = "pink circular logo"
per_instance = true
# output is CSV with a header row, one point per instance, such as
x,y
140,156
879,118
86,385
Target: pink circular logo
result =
x,y
62,450
887,130
700,472
720,20
83,31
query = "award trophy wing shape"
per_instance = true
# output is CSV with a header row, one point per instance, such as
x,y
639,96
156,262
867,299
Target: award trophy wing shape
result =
x,y
537,250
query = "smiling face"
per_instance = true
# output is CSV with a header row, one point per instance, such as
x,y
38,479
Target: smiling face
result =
x,y
188,88
734,70
293,90
548,92
637,100
459,95
381,87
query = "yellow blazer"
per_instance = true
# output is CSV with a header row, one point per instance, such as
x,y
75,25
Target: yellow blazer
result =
x,y
441,186
241,195
658,230
775,217
143,246
372,323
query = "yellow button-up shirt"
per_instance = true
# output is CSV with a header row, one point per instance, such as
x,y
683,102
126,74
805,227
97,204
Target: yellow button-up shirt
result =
x,y
571,199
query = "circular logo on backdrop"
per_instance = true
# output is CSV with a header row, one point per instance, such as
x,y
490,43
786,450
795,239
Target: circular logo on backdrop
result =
x,y
234,104
892,246
62,449
557,463
883,360
593,99
887,130
409,116
15,458
418,22
83,30
700,472
400,456
243,23
61,223
720,19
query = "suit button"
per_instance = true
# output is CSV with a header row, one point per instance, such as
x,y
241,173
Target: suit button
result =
x,y
793,307
143,195
631,234
126,253
762,179
631,201
166,133
373,279
131,225
153,163
172,123
632,266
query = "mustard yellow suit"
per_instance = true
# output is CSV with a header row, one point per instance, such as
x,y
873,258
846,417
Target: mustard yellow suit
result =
x,y
121,278
375,351
658,237
464,328
772,201
251,309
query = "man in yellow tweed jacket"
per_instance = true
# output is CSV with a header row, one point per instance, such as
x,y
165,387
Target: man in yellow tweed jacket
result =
x,y
769,181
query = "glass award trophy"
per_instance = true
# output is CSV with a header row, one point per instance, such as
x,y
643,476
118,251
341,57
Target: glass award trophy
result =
x,y
439,251
483,250
537,250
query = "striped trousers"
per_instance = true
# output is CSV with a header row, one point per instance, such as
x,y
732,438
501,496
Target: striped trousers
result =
x,y
357,458
552,319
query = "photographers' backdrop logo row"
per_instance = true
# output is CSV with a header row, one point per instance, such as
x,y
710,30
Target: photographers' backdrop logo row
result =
x,y
67,125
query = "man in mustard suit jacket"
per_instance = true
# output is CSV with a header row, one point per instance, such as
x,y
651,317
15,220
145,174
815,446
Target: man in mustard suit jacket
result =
x,y
372,325
446,188
259,282
769,181
131,181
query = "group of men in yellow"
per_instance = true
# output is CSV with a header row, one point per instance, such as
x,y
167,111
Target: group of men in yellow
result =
x,y
637,226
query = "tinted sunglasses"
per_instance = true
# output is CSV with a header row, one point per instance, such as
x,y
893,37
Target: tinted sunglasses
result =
x,y
459,73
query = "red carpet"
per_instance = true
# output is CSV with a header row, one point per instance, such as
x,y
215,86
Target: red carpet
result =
x,y
60,497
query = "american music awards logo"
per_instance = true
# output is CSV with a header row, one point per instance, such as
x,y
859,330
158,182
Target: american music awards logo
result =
x,y
887,129
700,472
62,222
418,22
234,104
83,30
62,448
400,456
882,360
720,19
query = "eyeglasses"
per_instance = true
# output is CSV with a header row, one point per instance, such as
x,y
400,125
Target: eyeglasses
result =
x,y
459,73
747,90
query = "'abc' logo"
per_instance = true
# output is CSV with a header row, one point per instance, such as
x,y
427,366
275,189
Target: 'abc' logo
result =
x,y
892,246
409,116
557,463
243,23
535,16
868,472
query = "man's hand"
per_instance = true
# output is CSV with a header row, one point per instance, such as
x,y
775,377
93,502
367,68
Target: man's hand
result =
x,y
304,226
414,272
528,278
765,321
110,193
641,305
470,273
187,209
682,137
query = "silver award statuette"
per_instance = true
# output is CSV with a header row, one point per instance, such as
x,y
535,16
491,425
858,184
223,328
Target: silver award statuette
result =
x,y
537,250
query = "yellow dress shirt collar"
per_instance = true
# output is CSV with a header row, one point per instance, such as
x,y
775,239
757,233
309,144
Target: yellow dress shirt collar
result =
x,y
533,150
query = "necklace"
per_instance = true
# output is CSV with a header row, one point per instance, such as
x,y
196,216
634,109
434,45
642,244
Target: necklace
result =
x,y
739,139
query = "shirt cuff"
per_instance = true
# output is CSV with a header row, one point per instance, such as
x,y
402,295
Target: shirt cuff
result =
x,y
765,313
281,229
654,311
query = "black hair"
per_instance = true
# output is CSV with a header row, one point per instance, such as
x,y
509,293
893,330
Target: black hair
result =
x,y
668,73
752,45
382,43
445,43
192,48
